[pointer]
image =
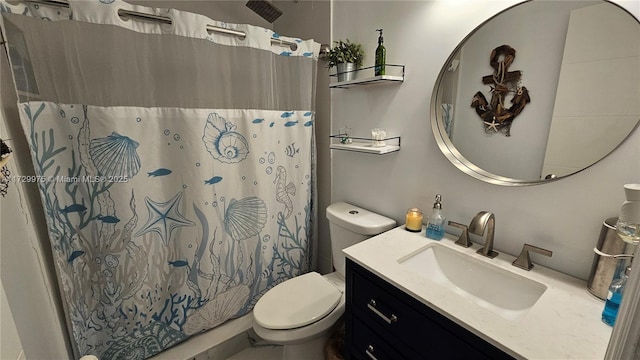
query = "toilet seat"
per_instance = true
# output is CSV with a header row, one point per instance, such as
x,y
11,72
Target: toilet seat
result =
x,y
296,302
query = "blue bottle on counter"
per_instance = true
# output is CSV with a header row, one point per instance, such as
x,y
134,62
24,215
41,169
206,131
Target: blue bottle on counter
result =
x,y
435,224
614,297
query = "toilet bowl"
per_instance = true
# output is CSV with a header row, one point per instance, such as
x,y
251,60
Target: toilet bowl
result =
x,y
302,313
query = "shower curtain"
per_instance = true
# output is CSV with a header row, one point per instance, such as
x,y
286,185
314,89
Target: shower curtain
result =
x,y
175,166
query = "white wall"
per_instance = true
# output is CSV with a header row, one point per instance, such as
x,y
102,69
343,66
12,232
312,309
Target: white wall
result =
x,y
10,344
563,216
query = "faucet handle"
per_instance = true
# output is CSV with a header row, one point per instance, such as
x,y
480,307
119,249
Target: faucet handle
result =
x,y
463,240
524,261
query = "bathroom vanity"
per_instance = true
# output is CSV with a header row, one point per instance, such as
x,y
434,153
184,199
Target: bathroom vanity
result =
x,y
383,322
415,298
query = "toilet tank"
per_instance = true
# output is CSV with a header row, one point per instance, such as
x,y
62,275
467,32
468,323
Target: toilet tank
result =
x,y
348,225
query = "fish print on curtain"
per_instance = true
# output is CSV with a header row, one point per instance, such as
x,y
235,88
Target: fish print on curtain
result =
x,y
168,222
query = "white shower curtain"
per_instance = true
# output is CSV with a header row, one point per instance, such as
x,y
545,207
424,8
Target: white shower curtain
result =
x,y
175,166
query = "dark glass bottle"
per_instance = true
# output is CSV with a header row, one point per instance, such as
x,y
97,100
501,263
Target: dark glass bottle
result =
x,y
381,55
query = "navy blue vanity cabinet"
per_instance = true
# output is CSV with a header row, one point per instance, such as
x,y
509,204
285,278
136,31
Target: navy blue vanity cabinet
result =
x,y
382,322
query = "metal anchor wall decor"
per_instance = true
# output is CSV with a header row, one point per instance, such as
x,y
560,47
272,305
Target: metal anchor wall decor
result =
x,y
495,116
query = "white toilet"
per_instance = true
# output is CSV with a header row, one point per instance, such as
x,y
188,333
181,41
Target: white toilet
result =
x,y
301,313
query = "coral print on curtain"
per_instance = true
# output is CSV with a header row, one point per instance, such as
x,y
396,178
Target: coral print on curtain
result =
x,y
174,199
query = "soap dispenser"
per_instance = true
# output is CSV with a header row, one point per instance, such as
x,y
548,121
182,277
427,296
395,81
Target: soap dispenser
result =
x,y
435,224
381,55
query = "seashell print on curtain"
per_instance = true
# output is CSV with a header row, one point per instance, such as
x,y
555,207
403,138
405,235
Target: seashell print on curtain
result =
x,y
115,155
164,240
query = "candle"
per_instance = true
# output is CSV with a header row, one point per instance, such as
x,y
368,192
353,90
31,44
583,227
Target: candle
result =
x,y
414,220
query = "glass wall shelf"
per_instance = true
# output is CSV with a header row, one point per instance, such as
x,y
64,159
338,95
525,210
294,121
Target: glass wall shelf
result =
x,y
365,145
366,76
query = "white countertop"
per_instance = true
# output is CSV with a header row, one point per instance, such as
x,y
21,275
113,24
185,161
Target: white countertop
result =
x,y
563,324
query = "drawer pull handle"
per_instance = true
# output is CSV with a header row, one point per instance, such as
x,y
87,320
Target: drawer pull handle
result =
x,y
390,319
369,352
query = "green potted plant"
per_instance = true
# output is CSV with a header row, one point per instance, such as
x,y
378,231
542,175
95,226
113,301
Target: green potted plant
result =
x,y
347,57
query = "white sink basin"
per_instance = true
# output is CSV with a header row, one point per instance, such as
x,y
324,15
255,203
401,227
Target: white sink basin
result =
x,y
503,292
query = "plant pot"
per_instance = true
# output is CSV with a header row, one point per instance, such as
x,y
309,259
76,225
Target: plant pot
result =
x,y
346,72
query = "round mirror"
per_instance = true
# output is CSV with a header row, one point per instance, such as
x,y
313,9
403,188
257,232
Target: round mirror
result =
x,y
540,91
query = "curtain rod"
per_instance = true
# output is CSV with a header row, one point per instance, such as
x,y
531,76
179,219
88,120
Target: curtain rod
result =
x,y
167,20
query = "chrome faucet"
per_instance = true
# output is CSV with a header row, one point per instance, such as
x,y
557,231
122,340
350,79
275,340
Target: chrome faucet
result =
x,y
484,220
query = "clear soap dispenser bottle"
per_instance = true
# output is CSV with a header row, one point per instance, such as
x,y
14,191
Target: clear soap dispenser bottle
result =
x,y
435,224
614,297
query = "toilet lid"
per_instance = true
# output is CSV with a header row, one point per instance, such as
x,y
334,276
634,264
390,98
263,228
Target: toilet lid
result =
x,y
296,302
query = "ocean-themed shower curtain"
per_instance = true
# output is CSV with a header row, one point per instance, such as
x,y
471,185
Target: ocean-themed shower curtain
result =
x,y
175,166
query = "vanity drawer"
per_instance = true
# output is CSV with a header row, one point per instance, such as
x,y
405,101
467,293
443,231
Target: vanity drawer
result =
x,y
408,324
367,345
